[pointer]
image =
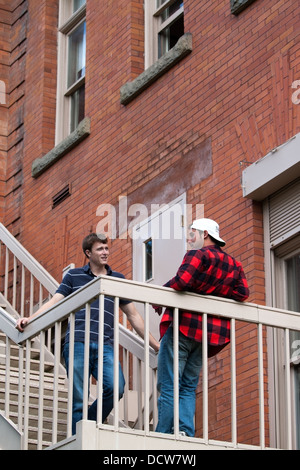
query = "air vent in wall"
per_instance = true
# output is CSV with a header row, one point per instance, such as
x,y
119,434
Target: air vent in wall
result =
x,y
61,196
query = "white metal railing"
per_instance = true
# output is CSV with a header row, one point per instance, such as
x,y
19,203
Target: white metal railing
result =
x,y
54,319
257,317
25,283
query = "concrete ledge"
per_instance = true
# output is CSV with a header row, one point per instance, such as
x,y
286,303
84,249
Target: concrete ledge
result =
x,y
275,170
81,132
132,89
239,5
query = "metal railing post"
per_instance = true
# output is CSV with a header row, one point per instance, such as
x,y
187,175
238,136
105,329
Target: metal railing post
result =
x,y
57,348
70,374
86,361
233,383
41,391
205,377
146,370
176,370
100,359
261,387
288,389
116,363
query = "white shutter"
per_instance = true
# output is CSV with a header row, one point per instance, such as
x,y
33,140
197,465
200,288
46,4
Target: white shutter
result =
x,y
284,213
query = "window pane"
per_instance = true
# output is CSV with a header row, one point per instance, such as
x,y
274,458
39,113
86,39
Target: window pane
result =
x,y
77,4
77,46
293,283
293,295
168,36
175,5
77,108
171,9
148,260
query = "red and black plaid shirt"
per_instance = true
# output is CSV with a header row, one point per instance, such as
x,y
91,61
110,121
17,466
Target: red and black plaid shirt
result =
x,y
209,271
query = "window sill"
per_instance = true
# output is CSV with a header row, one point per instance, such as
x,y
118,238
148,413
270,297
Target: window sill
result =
x,y
81,132
132,89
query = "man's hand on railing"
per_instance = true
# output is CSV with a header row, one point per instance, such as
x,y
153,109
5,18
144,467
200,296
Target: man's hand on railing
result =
x,y
21,324
137,323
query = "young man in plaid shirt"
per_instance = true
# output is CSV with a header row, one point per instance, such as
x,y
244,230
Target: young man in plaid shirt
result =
x,y
206,269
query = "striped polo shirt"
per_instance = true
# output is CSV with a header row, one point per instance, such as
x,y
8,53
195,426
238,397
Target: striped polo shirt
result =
x,y
74,280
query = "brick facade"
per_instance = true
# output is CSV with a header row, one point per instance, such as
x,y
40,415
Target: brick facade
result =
x,y
232,93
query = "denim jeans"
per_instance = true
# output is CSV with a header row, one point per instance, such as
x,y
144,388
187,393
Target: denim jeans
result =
x,y
108,380
190,364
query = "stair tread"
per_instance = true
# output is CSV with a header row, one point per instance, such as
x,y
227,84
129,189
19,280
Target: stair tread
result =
x,y
14,371
35,375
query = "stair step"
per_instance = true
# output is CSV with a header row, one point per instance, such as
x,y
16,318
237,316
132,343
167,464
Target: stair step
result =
x,y
35,363
34,398
34,376
47,421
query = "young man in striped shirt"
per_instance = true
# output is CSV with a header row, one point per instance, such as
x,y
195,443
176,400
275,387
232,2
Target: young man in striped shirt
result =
x,y
206,269
97,251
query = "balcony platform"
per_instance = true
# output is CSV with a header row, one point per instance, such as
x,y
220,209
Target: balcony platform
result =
x,y
90,437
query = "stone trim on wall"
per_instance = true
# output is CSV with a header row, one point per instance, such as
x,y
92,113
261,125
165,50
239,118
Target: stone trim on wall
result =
x,y
239,5
82,131
132,89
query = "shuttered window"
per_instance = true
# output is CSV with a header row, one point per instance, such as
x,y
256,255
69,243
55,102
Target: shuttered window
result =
x,y
283,220
284,213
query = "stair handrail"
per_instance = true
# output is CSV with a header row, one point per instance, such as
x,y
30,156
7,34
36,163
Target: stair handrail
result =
x,y
164,296
61,311
8,326
28,260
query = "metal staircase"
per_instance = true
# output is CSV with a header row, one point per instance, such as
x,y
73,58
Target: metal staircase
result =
x,y
21,276
34,387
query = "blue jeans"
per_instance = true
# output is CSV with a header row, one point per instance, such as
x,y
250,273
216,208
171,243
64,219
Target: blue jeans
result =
x,y
190,364
108,380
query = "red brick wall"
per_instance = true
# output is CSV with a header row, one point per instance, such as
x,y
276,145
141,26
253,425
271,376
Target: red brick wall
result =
x,y
234,89
4,72
12,72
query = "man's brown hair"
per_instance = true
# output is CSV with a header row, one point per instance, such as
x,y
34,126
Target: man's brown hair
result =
x,y
92,238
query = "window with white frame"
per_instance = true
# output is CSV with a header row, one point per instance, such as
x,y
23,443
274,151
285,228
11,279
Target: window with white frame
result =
x,y
71,67
282,223
287,296
164,25
292,269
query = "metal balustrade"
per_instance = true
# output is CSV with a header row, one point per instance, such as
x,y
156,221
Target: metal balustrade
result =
x,y
37,397
25,282
258,316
